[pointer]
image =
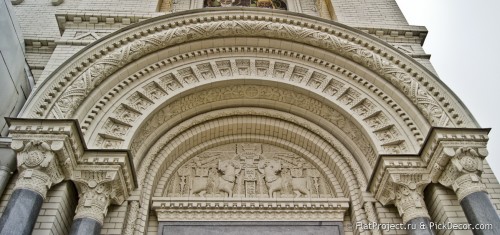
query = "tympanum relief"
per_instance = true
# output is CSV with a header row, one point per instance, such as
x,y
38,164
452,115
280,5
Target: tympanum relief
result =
x,y
249,170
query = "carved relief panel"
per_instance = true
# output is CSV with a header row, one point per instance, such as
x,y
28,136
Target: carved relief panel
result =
x,y
248,170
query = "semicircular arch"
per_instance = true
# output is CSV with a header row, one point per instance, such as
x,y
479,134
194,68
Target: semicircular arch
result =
x,y
74,81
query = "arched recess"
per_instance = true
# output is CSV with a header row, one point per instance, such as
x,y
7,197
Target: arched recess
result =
x,y
326,79
254,125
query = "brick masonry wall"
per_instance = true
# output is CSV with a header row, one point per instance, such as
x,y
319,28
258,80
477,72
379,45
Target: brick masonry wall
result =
x,y
444,207
61,54
115,219
58,208
369,13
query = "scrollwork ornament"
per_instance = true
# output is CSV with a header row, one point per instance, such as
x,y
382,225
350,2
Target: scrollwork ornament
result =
x,y
38,167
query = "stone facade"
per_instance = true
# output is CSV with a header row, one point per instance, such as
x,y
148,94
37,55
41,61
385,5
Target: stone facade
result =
x,y
150,114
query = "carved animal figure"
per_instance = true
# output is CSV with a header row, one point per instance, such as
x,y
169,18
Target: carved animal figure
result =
x,y
275,182
228,169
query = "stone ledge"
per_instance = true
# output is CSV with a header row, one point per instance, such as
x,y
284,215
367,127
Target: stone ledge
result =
x,y
250,209
102,20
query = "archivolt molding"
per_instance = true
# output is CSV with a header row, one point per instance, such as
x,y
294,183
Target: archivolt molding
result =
x,y
115,131
203,128
71,84
143,92
168,151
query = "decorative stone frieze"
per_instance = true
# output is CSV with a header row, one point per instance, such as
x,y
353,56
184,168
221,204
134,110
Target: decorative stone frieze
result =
x,y
258,209
248,170
47,152
412,81
98,188
405,191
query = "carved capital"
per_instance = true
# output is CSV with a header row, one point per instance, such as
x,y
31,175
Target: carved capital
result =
x,y
99,186
404,190
47,151
38,165
463,171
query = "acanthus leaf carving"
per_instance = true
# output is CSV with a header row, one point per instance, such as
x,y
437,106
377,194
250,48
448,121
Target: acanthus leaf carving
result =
x,y
405,191
463,170
98,188
38,166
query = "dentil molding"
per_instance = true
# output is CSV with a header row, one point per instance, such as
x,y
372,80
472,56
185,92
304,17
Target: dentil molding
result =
x,y
73,82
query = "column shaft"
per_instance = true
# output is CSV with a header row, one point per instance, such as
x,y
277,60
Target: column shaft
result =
x,y
7,164
21,212
4,179
419,226
479,211
85,226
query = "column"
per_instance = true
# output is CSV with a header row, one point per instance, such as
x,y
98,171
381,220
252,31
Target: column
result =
x,y
38,171
98,187
405,191
463,175
7,163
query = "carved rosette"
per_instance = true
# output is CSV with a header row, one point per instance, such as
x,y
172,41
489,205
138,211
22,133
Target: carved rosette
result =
x,y
97,190
405,192
38,165
463,171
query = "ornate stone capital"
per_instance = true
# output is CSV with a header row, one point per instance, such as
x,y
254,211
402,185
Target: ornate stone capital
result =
x,y
38,166
47,151
104,179
98,188
463,171
404,190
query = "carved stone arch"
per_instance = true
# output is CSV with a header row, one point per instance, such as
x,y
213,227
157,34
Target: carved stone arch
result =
x,y
71,83
323,85
168,153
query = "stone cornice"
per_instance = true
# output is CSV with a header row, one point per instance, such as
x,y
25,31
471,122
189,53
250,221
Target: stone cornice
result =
x,y
63,135
440,146
100,19
112,158
415,34
56,148
255,209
